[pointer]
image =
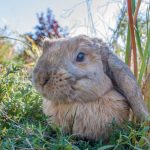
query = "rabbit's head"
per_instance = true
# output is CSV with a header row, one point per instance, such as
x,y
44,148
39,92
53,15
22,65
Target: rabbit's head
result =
x,y
71,69
83,69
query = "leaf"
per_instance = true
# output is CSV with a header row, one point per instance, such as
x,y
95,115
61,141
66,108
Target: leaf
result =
x,y
106,147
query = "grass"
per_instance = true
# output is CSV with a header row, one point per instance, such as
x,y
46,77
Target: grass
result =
x,y
24,126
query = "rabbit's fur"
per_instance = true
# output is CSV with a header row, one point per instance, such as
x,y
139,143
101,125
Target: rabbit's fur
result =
x,y
85,97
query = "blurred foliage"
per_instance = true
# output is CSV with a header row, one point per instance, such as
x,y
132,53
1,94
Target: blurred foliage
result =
x,y
119,37
47,26
6,50
31,54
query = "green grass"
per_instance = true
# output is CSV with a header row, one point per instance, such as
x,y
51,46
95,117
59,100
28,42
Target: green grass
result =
x,y
24,126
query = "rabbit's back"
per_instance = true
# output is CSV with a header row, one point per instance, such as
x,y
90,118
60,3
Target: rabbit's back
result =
x,y
89,120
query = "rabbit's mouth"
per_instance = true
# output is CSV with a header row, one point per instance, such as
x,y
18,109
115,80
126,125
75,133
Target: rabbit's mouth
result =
x,y
45,81
64,89
59,85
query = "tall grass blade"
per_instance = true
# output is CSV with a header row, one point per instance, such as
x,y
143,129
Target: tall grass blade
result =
x,y
146,51
128,48
138,41
145,59
137,35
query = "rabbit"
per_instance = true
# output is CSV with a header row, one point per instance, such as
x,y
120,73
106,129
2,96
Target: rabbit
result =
x,y
86,87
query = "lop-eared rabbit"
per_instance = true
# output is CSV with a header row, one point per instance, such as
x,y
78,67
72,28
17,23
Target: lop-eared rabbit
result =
x,y
86,87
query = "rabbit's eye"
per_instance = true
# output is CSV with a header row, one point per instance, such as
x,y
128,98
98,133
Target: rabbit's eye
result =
x,y
80,57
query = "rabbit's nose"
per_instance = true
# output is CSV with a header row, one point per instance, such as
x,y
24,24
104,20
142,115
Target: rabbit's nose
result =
x,y
43,78
50,75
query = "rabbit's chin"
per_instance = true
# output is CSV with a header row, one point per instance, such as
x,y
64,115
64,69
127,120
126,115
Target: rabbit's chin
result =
x,y
89,90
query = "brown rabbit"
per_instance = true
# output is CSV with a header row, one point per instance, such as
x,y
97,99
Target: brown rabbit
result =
x,y
85,86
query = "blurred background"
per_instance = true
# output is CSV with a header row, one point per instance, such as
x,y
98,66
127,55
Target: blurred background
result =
x,y
34,20
78,16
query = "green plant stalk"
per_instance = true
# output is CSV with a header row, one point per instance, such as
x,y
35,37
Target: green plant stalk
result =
x,y
144,60
137,35
128,44
128,48
138,41
133,6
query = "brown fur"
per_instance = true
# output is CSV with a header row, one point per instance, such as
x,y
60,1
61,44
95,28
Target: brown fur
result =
x,y
81,97
91,120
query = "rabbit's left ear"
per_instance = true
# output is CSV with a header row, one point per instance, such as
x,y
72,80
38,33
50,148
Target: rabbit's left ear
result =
x,y
123,79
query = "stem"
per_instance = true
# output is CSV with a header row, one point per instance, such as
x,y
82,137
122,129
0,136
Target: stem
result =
x,y
138,40
136,12
6,37
132,36
128,49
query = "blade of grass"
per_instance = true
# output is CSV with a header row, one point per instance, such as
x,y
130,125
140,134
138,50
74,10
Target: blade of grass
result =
x,y
138,41
128,49
144,60
136,12
6,37
133,7
137,36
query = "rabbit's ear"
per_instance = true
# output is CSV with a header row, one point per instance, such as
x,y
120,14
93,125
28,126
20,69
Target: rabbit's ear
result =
x,y
123,80
47,43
